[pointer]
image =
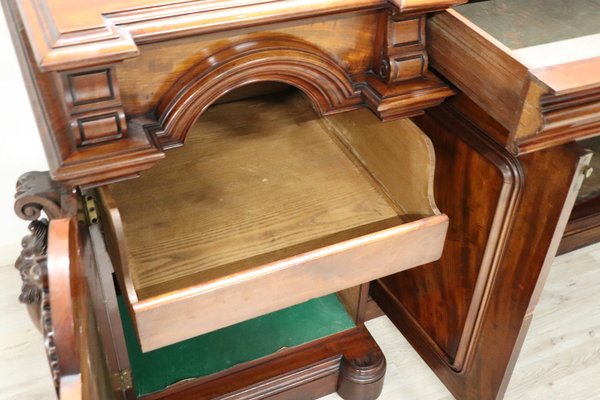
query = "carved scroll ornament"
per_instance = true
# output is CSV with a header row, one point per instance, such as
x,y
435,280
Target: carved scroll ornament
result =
x,y
37,193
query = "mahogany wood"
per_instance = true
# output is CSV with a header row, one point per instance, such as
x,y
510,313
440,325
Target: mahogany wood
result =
x,y
583,228
477,236
539,107
499,162
63,268
474,349
109,30
103,299
349,362
88,338
114,84
174,59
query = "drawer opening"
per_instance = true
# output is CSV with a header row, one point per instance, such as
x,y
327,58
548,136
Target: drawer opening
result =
x,y
247,341
268,205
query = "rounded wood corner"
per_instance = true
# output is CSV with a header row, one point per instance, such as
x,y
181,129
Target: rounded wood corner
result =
x,y
361,378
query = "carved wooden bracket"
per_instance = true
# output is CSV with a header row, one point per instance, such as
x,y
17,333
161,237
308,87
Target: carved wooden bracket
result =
x,y
35,193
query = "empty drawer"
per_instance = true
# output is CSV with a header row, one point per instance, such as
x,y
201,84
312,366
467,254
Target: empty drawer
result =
x,y
266,206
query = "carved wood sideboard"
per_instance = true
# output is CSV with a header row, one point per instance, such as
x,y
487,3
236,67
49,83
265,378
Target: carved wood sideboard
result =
x,y
233,182
269,195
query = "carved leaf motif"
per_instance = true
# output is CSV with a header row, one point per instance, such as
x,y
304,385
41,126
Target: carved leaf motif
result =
x,y
36,192
32,262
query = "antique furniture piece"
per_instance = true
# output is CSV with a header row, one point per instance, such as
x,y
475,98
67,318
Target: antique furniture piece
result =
x,y
507,176
213,231
222,190
557,40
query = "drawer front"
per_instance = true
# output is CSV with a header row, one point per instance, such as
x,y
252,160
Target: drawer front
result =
x,y
287,282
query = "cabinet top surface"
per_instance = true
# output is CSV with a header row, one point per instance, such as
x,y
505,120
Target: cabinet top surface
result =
x,y
518,24
558,41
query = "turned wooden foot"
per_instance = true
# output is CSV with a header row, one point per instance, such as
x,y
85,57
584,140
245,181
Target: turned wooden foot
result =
x,y
361,378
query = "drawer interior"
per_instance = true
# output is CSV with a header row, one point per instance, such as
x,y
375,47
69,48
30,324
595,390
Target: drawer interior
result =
x,y
265,206
262,186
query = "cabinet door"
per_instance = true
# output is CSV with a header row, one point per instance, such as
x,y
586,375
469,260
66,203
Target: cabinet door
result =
x,y
467,314
70,321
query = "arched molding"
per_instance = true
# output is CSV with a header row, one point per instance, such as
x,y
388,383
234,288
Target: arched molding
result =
x,y
281,59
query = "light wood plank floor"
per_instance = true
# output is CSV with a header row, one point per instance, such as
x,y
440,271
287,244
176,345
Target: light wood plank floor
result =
x,y
560,359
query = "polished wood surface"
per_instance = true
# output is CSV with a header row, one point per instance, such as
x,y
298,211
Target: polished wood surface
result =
x,y
88,357
65,34
95,132
306,372
476,245
539,107
118,85
63,270
560,103
498,269
265,219
145,79
108,347
502,140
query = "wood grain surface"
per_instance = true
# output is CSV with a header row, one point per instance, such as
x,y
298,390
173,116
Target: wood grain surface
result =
x,y
275,195
254,177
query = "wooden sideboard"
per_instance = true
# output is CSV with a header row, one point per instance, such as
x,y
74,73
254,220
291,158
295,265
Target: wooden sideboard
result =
x,y
219,161
232,181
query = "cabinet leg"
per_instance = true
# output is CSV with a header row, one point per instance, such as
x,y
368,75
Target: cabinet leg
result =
x,y
361,378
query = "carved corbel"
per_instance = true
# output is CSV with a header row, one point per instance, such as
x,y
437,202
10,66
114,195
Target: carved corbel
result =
x,y
400,84
403,54
37,193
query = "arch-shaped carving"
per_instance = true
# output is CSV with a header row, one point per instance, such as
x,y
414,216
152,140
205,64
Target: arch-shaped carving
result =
x,y
281,59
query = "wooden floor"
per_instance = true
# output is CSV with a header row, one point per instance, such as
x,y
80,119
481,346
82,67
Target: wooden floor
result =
x,y
560,359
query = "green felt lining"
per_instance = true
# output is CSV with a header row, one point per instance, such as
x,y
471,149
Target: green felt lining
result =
x,y
227,347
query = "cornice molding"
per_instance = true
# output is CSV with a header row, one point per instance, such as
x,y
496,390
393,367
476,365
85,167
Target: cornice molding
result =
x,y
113,34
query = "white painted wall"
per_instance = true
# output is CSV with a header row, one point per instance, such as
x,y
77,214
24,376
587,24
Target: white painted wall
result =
x,y
20,146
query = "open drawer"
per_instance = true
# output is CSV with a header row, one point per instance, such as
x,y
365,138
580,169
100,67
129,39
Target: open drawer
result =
x,y
267,206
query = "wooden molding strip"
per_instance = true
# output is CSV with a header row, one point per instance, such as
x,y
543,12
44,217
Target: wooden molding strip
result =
x,y
104,32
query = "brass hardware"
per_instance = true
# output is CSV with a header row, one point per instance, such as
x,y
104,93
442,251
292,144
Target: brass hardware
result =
x,y
587,171
91,210
122,380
